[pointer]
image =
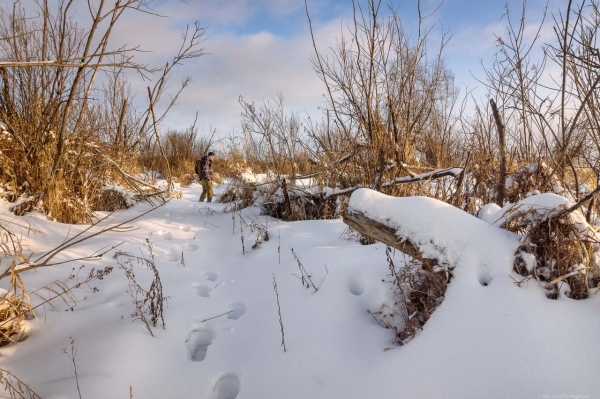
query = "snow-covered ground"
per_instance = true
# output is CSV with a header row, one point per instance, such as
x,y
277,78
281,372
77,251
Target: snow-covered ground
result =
x,y
494,341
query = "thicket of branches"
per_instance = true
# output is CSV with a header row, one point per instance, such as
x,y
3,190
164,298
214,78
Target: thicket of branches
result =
x,y
395,120
69,123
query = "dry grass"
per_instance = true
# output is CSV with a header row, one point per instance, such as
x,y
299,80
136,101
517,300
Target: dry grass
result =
x,y
15,306
14,387
419,288
111,200
148,302
556,248
239,194
186,180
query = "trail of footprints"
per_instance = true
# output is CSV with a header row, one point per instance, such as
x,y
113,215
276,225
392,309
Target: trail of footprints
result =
x,y
171,253
201,336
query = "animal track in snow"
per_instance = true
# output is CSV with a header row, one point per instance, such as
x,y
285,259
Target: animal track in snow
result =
x,y
210,276
197,343
190,246
228,387
239,309
356,286
202,290
484,275
165,234
172,255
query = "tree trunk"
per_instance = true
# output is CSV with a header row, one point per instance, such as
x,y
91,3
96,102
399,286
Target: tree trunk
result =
x,y
502,140
380,232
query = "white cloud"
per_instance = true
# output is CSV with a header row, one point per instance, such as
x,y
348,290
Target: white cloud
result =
x,y
256,66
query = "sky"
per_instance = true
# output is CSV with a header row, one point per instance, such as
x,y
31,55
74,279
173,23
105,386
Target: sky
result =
x,y
259,49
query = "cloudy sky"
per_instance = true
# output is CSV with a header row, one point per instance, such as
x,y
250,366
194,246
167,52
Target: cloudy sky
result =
x,y
259,48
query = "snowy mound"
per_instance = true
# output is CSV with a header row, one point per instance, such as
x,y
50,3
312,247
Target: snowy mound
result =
x,y
222,336
442,231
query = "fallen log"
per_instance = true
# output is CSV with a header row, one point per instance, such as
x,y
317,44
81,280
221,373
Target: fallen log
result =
x,y
439,238
380,232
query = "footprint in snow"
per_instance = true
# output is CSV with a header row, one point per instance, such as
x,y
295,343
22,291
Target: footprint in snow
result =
x,y
210,276
484,275
202,290
173,255
228,387
356,286
197,343
190,246
239,309
165,234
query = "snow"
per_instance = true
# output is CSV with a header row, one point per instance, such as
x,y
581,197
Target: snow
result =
x,y
441,231
493,341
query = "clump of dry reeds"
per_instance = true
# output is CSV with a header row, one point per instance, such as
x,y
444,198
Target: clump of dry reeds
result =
x,y
530,179
15,306
239,194
558,246
147,302
15,387
186,180
419,288
112,199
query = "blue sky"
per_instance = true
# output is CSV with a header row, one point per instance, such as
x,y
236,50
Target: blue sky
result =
x,y
259,48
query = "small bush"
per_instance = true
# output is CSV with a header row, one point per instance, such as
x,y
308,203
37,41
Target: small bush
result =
x,y
556,246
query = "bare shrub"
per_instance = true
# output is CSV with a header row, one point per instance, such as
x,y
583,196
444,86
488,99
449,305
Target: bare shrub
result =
x,y
68,126
389,100
147,302
112,199
304,276
557,245
419,288
15,306
239,194
186,180
14,387
181,149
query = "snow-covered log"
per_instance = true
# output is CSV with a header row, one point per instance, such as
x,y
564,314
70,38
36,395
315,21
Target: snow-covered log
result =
x,y
380,232
442,240
433,228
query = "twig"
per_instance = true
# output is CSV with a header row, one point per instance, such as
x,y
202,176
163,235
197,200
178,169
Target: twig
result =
x,y
74,367
231,311
69,243
579,204
279,311
15,387
305,276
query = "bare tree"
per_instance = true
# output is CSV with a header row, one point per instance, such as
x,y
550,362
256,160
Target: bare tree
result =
x,y
389,98
64,101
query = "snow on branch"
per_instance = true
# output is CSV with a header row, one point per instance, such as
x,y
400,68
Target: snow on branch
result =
x,y
434,174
